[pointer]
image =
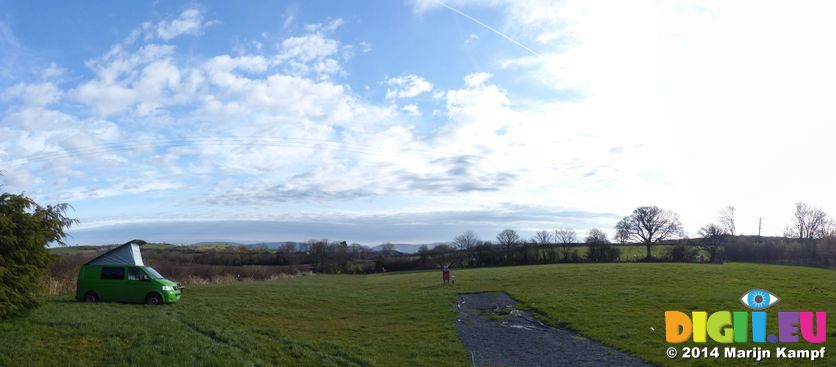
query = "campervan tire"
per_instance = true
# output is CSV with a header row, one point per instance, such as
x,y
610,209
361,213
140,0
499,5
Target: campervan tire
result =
x,y
91,297
153,299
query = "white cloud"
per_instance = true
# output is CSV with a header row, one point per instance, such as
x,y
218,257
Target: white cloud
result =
x,y
52,71
104,98
312,53
189,22
39,142
308,47
289,16
143,80
13,54
116,188
471,38
325,27
476,79
288,21
412,110
249,63
38,94
406,86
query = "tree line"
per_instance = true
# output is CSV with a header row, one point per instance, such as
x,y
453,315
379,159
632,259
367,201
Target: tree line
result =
x,y
809,240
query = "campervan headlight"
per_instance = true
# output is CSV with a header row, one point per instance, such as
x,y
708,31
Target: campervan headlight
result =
x,y
168,287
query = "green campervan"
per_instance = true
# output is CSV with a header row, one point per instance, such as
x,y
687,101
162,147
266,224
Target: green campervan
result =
x,y
120,275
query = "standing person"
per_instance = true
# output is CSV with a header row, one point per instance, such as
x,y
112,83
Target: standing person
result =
x,y
445,273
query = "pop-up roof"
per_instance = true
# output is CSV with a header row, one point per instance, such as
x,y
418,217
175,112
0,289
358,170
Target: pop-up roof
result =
x,y
127,254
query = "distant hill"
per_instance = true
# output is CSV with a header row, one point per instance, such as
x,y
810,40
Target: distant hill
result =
x,y
258,245
271,245
215,244
404,248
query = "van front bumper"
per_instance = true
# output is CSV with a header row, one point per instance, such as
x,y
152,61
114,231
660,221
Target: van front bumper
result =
x,y
171,296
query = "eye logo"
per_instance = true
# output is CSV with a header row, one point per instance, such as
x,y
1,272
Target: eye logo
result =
x,y
758,299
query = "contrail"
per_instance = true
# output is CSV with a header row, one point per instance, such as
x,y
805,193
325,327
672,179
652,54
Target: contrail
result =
x,y
489,28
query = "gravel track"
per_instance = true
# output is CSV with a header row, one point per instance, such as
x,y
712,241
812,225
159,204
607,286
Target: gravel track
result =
x,y
495,333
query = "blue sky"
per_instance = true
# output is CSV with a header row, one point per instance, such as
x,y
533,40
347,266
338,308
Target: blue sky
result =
x,y
413,121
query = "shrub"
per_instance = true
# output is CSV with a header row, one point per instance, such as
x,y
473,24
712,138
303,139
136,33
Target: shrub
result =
x,y
603,252
574,257
26,228
826,250
682,253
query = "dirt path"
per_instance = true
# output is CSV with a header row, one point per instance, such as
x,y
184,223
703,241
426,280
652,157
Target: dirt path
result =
x,y
497,334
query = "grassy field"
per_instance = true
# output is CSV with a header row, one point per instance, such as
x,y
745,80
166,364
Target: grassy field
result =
x,y
637,252
398,318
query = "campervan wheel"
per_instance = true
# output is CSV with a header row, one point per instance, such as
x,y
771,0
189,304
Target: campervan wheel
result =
x,y
153,299
91,297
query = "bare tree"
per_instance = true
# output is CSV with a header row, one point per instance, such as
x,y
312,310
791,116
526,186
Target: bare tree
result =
x,y
566,237
288,252
826,246
288,247
542,238
828,230
713,237
596,236
319,254
508,238
359,251
809,223
599,248
650,225
622,236
466,240
727,220
424,254
304,247
387,248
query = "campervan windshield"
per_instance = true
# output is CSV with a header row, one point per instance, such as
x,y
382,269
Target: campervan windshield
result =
x,y
153,273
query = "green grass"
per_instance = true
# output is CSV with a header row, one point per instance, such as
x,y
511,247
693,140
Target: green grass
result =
x,y
632,252
398,318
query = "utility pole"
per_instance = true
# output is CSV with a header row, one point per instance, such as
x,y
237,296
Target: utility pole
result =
x,y
760,224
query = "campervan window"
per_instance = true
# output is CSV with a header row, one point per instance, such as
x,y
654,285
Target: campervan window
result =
x,y
153,273
111,273
136,274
